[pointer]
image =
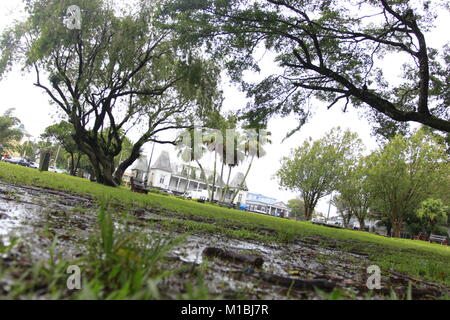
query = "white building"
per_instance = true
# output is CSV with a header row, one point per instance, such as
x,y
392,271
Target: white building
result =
x,y
266,205
182,178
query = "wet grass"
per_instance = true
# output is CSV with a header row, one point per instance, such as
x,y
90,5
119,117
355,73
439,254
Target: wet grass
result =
x,y
118,263
415,258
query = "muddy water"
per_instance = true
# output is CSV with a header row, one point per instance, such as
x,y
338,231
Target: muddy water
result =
x,y
37,215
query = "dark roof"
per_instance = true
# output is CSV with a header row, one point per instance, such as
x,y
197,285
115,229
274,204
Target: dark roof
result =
x,y
237,180
140,164
163,162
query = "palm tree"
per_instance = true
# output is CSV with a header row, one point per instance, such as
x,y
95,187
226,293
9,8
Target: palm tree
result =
x,y
11,130
218,126
254,149
191,147
214,143
237,148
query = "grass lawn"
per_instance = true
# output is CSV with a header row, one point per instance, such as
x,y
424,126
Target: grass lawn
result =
x,y
415,258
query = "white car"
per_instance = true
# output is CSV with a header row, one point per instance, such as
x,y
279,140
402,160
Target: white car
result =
x,y
53,169
335,223
33,165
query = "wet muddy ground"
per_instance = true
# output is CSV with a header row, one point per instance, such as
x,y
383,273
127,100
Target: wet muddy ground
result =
x,y
37,215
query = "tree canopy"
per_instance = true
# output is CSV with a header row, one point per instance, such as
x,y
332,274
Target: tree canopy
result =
x,y
354,193
315,168
120,71
10,130
434,212
405,172
330,51
297,208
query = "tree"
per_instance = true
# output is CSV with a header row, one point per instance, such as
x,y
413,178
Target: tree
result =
x,y
343,209
191,147
405,172
297,208
62,133
315,168
28,150
10,130
233,153
213,138
120,71
354,193
127,149
330,51
256,137
434,212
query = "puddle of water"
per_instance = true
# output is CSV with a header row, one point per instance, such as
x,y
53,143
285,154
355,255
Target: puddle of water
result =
x,y
28,213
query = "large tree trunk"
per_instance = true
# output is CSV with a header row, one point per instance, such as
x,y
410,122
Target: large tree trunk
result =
x,y
396,228
123,166
103,170
362,223
105,175
102,164
308,212
102,160
389,228
77,163
134,155
72,165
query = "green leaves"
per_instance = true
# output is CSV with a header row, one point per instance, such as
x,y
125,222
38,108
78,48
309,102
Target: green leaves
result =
x,y
10,130
315,168
122,70
434,211
354,193
330,50
406,172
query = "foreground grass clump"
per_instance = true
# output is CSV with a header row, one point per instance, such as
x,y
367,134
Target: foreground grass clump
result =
x,y
119,263
415,258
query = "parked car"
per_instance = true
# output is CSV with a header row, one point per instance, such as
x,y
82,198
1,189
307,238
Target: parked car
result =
x,y
33,165
187,195
17,160
335,223
317,220
53,169
193,194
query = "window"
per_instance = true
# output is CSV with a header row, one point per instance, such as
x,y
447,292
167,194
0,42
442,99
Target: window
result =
x,y
162,179
240,198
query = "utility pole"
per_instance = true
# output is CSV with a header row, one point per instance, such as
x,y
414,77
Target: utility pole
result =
x,y
329,206
150,163
57,155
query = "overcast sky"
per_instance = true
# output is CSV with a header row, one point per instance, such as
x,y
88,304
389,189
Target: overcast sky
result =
x,y
33,109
